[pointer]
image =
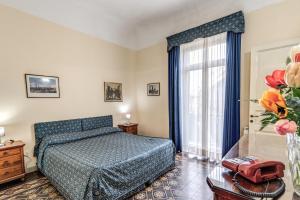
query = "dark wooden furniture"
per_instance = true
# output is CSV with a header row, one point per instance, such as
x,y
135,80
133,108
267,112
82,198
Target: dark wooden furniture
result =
x,y
267,147
129,128
12,162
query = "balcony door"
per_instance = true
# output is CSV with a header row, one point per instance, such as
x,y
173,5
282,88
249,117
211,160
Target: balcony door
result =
x,y
202,92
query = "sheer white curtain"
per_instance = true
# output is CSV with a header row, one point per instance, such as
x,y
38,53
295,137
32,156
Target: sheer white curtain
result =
x,y
202,79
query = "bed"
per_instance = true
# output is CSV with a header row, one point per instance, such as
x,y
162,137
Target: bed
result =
x,y
90,159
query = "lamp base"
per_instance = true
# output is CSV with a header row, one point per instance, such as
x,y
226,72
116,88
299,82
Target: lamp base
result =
x,y
2,145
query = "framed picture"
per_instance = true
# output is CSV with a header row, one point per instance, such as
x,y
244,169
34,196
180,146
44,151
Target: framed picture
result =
x,y
39,86
113,92
153,89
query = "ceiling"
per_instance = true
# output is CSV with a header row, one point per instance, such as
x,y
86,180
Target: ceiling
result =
x,y
134,24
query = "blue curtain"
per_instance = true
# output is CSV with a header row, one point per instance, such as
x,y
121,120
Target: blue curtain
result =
x,y
231,130
174,121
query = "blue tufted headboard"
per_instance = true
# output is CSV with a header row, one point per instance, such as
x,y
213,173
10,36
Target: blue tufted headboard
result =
x,y
96,122
68,126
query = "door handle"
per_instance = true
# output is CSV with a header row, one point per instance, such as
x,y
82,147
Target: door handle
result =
x,y
254,116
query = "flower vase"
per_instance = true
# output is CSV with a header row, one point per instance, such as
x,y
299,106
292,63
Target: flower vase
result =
x,y
293,144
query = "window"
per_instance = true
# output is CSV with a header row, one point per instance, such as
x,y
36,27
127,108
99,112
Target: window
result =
x,y
202,79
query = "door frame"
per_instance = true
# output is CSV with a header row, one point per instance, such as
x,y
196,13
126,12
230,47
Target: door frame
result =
x,y
254,67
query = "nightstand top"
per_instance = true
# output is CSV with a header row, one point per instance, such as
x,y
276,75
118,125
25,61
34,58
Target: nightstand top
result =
x,y
130,124
9,145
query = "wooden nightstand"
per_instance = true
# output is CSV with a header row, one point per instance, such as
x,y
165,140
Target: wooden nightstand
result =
x,y
129,128
12,162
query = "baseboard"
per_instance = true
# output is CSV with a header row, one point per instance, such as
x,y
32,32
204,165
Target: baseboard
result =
x,y
31,169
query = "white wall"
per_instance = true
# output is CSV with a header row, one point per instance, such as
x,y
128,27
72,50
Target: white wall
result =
x,y
270,24
274,23
83,63
152,66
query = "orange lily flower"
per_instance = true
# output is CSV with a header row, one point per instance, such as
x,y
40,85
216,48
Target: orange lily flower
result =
x,y
273,101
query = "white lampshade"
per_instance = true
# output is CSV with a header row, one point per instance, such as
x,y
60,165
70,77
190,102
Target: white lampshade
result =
x,y
2,131
128,116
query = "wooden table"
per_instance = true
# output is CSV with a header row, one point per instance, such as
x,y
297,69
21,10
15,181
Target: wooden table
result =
x,y
12,162
271,147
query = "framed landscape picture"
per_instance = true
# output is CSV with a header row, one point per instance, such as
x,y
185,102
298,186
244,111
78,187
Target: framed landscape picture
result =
x,y
113,92
153,89
39,86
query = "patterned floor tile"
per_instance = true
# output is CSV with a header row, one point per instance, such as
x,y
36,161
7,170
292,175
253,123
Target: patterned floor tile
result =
x,y
187,181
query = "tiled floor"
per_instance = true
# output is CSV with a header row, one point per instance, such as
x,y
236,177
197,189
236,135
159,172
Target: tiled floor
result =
x,y
186,182
29,177
193,179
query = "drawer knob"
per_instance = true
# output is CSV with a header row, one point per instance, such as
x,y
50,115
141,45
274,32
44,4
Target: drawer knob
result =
x,y
6,173
5,153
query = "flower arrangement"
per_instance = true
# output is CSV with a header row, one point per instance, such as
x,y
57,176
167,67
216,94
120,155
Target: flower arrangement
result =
x,y
282,100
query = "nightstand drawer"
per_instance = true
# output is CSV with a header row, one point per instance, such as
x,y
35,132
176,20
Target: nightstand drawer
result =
x,y
10,172
10,161
129,128
132,129
9,152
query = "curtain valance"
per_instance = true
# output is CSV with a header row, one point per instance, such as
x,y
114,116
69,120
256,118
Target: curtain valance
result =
x,y
234,23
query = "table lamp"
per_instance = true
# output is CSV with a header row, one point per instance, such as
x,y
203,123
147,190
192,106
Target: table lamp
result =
x,y
2,133
128,117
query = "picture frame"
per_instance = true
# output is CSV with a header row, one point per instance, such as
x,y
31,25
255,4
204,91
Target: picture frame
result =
x,y
153,89
41,86
113,92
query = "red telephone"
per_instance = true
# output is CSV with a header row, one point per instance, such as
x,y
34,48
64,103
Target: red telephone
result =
x,y
254,169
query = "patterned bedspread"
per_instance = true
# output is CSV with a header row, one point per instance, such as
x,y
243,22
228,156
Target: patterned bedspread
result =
x,y
103,163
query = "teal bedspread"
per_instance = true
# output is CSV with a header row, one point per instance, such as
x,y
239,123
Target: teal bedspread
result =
x,y
103,163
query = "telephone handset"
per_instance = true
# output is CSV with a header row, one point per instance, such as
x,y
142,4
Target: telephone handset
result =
x,y
257,171
254,169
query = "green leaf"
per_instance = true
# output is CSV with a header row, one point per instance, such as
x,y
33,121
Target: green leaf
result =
x,y
293,103
296,92
270,118
267,113
286,91
288,60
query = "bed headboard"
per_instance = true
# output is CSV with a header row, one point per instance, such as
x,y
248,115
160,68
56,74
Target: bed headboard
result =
x,y
96,122
67,126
